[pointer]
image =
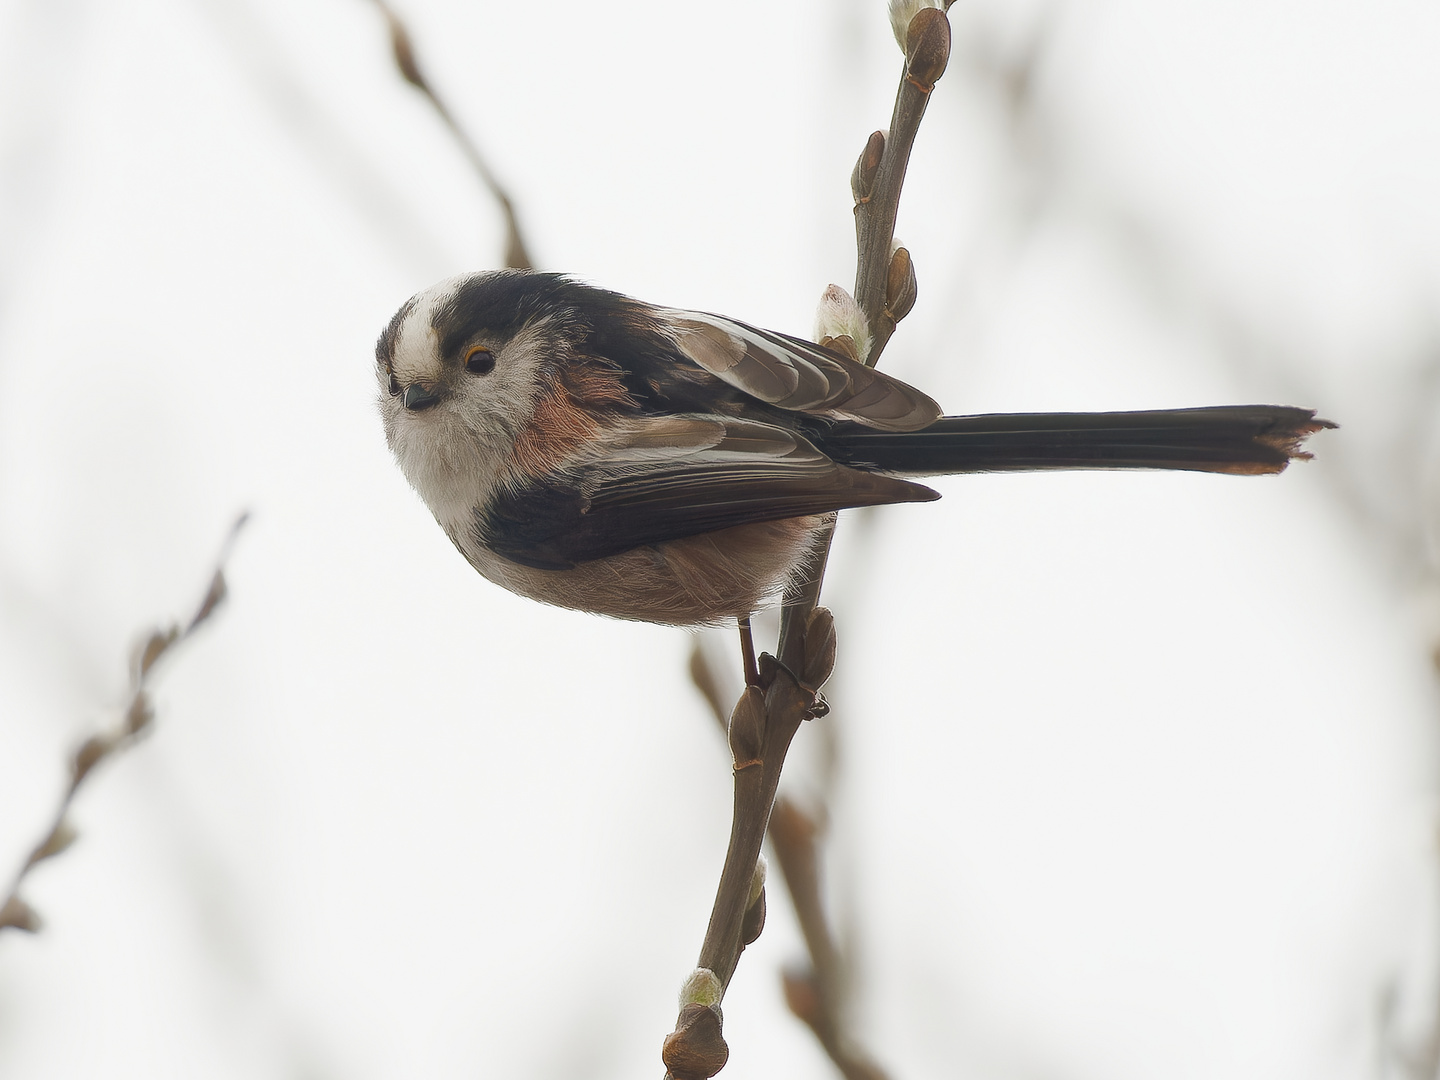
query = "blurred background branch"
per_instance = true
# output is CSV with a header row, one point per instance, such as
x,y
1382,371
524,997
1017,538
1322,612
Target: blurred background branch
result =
x,y
517,255
137,720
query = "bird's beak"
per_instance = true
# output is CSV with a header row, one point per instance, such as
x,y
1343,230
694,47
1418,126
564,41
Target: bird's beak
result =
x,y
416,397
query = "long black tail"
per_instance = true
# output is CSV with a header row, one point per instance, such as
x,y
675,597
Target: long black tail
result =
x,y
1242,439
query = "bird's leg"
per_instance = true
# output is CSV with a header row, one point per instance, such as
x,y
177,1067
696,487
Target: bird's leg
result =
x,y
747,652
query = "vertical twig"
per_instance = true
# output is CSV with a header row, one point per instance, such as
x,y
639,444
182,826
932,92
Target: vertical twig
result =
x,y
765,721
877,186
814,996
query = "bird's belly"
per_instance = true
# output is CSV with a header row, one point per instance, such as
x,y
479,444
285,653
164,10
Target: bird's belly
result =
x,y
687,582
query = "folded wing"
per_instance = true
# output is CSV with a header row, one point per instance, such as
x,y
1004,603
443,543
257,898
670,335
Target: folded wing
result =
x,y
669,479
799,375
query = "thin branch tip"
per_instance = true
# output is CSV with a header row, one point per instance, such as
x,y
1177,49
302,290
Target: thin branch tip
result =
x,y
516,252
786,692
136,720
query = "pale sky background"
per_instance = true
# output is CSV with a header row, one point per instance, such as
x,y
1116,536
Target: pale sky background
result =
x,y
1136,774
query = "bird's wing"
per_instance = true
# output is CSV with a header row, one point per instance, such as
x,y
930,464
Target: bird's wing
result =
x,y
673,477
799,375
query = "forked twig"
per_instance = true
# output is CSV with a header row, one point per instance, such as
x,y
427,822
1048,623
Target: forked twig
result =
x,y
815,996
765,720
136,720
517,256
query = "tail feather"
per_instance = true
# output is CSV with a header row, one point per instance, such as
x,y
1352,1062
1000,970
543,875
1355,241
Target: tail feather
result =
x,y
1245,440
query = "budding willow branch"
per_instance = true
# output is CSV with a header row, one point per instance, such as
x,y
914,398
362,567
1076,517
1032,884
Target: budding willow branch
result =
x,y
135,722
815,995
927,52
885,289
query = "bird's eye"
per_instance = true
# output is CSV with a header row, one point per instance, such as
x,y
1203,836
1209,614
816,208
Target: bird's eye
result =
x,y
479,361
394,385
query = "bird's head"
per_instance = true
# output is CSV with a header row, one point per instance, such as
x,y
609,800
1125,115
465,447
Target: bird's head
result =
x,y
459,371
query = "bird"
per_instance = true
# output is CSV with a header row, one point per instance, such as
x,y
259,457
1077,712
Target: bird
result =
x,y
597,452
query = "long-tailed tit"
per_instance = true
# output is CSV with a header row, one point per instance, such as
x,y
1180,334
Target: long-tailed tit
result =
x,y
596,452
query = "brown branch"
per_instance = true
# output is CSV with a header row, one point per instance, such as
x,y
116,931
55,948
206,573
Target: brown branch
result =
x,y
760,729
884,278
877,186
775,714
137,719
885,290
517,254
767,717
815,996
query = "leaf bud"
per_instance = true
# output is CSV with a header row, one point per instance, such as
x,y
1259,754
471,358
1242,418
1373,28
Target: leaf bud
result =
x,y
140,714
60,838
837,317
152,649
844,345
901,14
900,285
91,752
802,995
862,179
214,597
18,915
701,987
754,920
819,649
927,48
757,879
747,728
404,51
695,1050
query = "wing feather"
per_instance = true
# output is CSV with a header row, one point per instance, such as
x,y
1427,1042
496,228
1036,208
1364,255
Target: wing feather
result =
x,y
799,375
701,474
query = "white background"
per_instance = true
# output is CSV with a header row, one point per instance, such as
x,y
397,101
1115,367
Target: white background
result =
x,y
1135,772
